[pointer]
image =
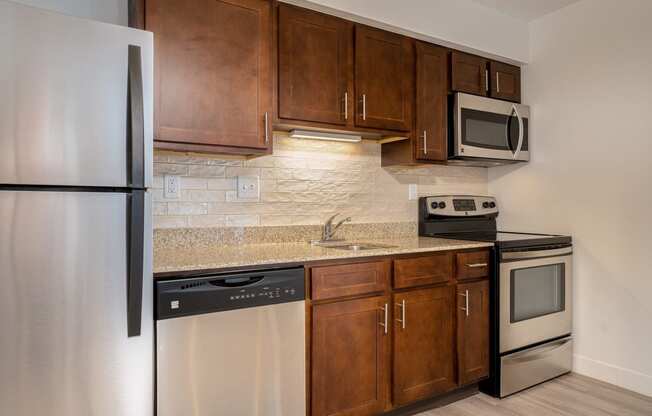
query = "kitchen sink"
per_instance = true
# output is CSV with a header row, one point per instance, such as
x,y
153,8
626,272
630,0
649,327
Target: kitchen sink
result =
x,y
351,246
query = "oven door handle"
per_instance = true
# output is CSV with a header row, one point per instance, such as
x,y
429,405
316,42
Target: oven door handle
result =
x,y
521,131
536,254
539,353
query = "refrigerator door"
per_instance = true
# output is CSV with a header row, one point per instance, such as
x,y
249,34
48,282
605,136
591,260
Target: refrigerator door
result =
x,y
65,348
68,114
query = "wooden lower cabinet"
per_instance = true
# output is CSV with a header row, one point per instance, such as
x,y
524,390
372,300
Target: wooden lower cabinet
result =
x,y
375,348
424,343
350,358
473,331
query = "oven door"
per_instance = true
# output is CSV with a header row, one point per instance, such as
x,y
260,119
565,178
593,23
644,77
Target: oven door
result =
x,y
490,129
535,296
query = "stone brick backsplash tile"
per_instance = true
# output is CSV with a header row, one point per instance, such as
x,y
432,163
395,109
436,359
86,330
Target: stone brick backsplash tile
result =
x,y
302,183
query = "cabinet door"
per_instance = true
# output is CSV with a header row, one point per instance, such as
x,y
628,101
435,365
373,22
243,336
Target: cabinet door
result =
x,y
350,358
473,331
431,102
469,74
505,81
315,66
424,339
384,79
212,71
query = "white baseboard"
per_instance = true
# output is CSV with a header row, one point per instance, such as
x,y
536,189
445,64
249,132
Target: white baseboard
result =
x,y
612,374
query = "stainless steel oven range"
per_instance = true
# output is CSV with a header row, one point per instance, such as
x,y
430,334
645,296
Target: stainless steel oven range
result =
x,y
531,322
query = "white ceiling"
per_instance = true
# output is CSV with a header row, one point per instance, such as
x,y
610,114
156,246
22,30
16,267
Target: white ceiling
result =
x,y
526,9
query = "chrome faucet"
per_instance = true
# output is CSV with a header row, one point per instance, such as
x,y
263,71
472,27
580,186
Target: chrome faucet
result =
x,y
329,228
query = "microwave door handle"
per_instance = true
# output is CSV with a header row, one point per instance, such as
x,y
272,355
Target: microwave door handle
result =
x,y
521,131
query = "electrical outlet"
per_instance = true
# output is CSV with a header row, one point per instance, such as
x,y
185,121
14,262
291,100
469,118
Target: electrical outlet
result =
x,y
248,187
412,191
171,187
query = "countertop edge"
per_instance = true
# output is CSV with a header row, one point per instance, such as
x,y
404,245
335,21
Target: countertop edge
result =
x,y
216,267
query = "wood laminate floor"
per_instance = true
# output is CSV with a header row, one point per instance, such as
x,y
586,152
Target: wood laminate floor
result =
x,y
569,395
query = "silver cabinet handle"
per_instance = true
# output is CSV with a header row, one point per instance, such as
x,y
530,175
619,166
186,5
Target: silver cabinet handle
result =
x,y
521,131
486,80
346,105
266,127
386,311
425,142
466,302
364,106
402,320
497,81
476,265
384,324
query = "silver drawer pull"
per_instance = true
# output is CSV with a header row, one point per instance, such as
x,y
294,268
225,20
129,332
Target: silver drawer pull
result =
x,y
476,265
402,320
539,352
386,313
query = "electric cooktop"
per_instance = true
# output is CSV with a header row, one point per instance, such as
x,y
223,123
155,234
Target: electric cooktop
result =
x,y
474,218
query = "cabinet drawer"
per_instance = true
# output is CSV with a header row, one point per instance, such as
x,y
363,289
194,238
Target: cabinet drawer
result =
x,y
424,270
348,279
472,265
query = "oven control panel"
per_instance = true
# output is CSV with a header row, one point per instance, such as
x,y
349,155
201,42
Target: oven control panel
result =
x,y
461,205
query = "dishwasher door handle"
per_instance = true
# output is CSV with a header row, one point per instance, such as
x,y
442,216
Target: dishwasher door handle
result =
x,y
237,281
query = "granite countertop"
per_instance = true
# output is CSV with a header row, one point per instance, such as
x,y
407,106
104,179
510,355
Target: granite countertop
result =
x,y
170,260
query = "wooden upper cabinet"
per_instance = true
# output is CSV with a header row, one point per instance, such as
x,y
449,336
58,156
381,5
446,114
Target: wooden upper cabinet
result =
x,y
384,79
424,343
505,81
315,67
212,73
469,74
350,358
473,331
431,102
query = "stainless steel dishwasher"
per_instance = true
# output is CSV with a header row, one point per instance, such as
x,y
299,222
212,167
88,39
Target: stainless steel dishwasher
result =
x,y
232,345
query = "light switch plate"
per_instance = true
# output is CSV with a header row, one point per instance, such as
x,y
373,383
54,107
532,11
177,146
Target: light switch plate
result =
x,y
172,187
248,187
412,191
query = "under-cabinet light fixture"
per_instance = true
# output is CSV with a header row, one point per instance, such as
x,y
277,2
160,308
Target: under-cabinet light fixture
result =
x,y
320,135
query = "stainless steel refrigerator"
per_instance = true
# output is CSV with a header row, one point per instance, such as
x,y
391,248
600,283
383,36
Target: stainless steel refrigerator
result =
x,y
76,332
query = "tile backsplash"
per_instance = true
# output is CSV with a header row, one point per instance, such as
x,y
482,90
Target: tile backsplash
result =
x,y
302,183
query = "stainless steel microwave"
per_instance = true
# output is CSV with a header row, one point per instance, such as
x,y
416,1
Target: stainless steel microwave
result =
x,y
488,132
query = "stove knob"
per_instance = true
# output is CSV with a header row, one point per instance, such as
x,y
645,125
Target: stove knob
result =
x,y
434,205
485,205
442,205
492,205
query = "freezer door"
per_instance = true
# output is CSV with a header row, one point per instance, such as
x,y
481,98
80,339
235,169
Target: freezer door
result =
x,y
65,348
66,115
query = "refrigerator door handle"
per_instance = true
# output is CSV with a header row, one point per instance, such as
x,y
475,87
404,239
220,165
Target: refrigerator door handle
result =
x,y
135,254
135,121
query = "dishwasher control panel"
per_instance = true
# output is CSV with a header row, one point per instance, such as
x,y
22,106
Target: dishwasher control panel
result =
x,y
224,292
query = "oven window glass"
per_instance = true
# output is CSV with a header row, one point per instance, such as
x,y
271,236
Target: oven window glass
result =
x,y
492,131
537,291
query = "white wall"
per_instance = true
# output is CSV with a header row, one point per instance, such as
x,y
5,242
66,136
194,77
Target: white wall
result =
x,y
110,11
459,23
589,83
